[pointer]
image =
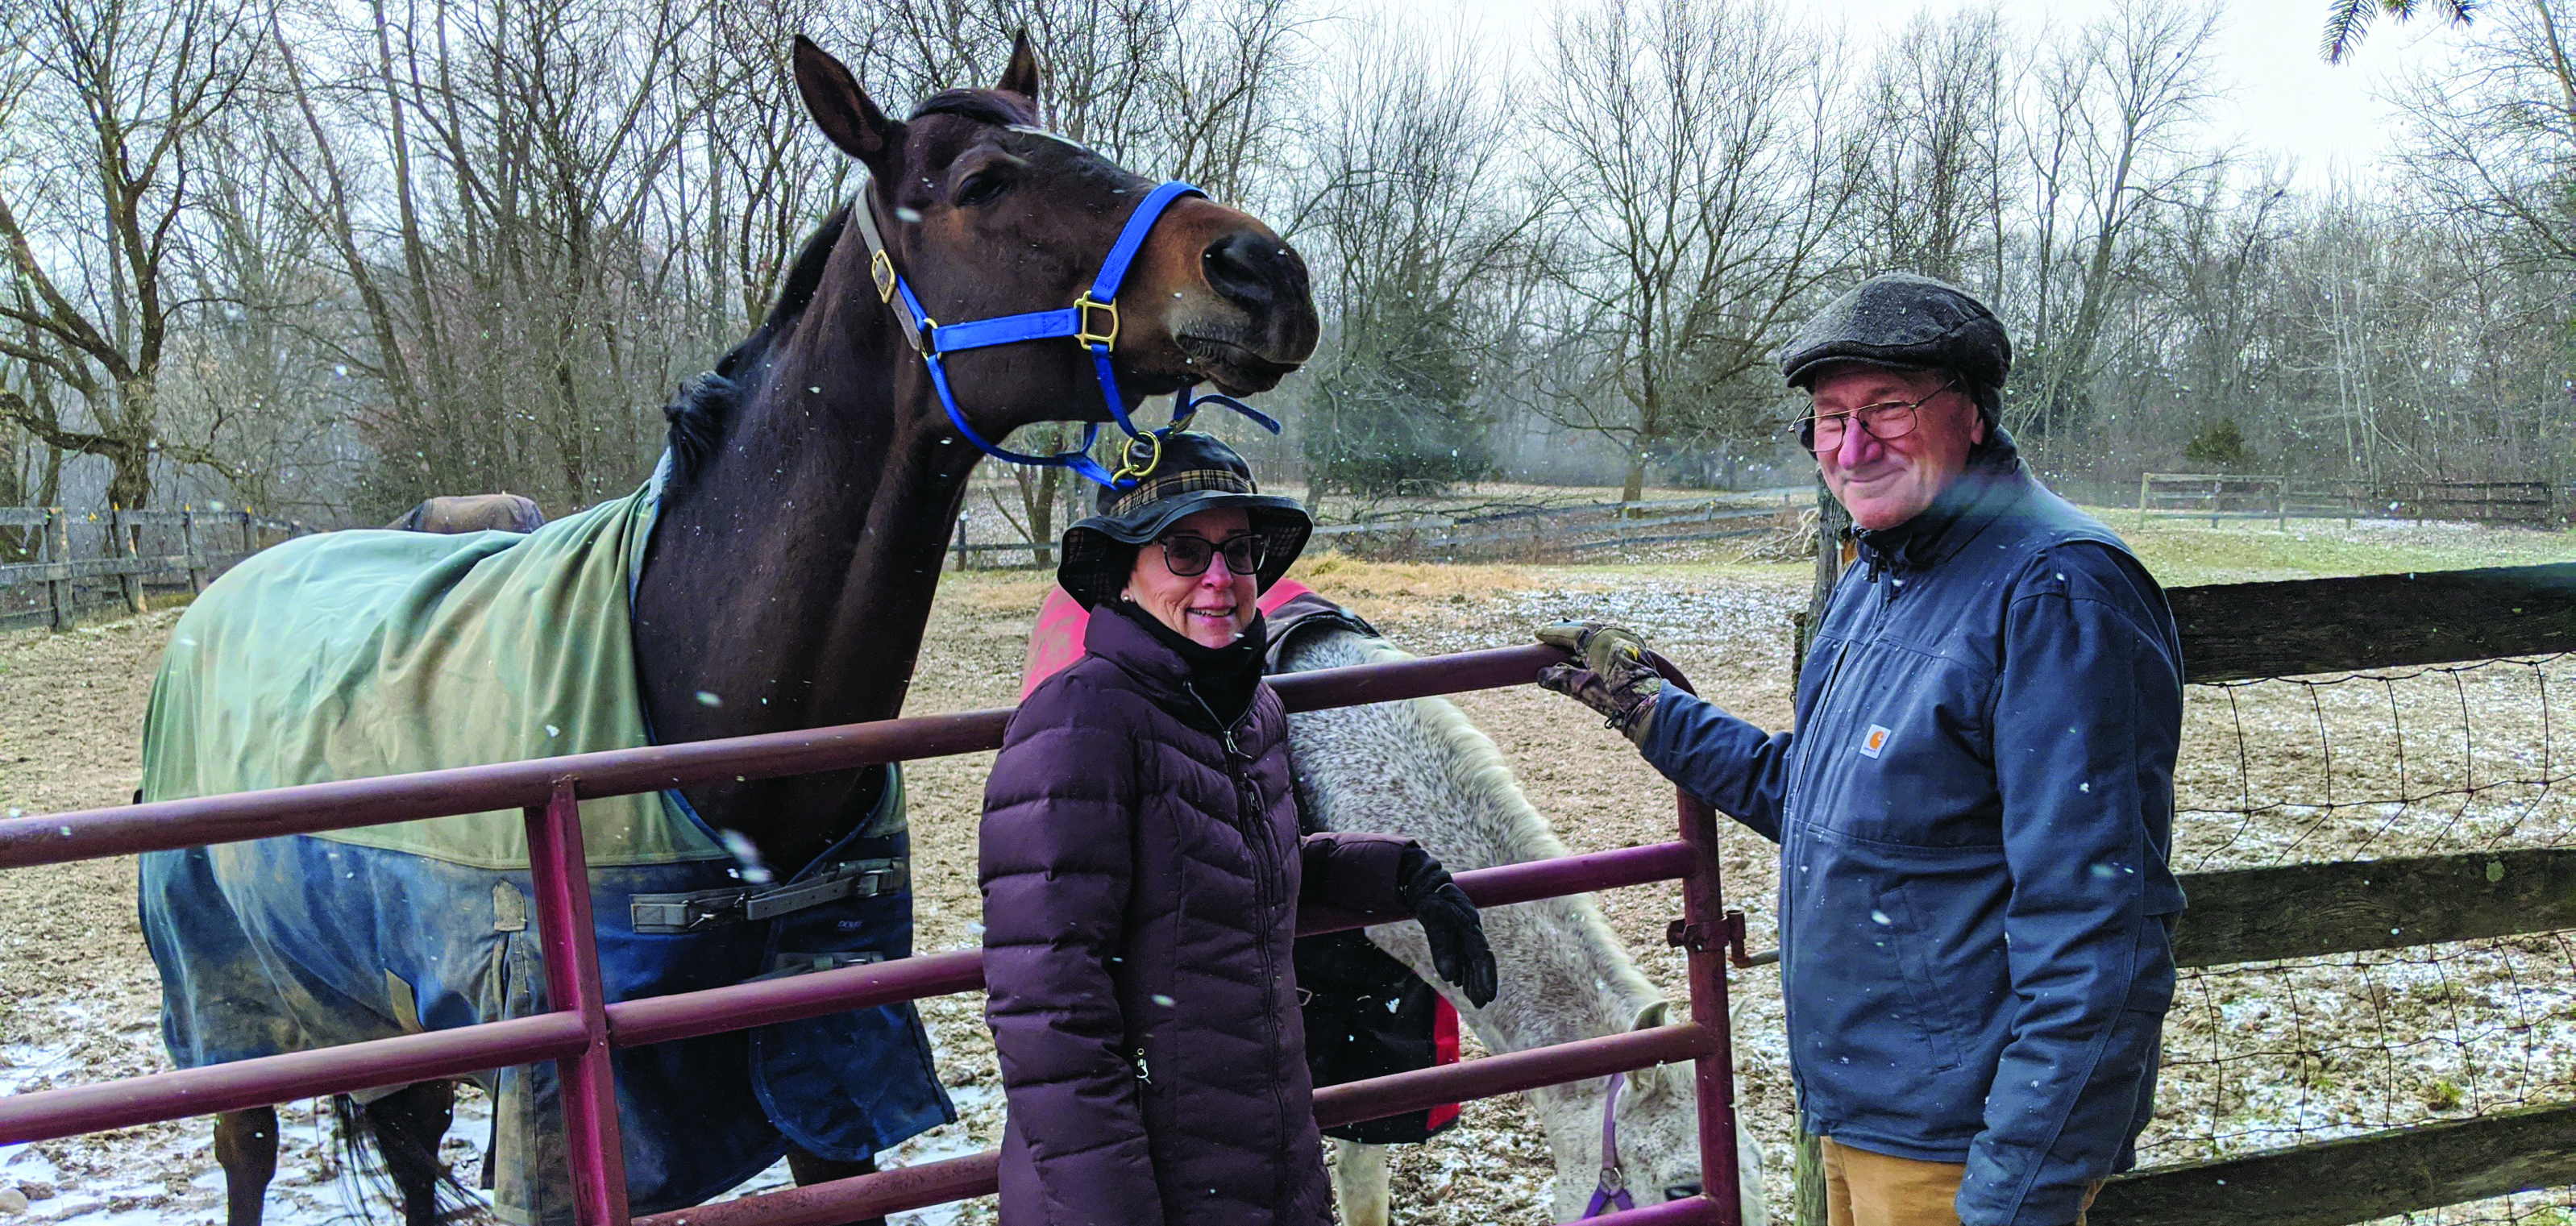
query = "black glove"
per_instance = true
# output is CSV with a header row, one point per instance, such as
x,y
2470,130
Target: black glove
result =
x,y
1450,921
1612,676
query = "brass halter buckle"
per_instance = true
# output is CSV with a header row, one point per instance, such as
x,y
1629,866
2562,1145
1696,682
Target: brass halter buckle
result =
x,y
1083,315
881,270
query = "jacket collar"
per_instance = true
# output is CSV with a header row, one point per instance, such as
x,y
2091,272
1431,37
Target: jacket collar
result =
x,y
1985,491
1156,666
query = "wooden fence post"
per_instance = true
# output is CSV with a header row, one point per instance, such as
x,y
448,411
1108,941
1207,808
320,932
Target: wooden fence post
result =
x,y
188,544
57,547
124,539
961,543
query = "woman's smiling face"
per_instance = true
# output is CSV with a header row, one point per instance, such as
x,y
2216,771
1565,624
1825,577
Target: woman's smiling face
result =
x,y
1211,608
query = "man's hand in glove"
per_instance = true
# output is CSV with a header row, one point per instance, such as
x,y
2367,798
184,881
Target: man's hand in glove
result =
x,y
1608,674
1456,932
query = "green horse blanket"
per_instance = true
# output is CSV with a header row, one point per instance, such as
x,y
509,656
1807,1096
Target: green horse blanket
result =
x,y
363,653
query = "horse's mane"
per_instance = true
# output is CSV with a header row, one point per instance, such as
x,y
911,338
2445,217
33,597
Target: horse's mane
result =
x,y
706,403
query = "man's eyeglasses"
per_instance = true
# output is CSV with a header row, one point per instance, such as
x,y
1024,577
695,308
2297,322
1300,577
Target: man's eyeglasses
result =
x,y
1892,420
1187,555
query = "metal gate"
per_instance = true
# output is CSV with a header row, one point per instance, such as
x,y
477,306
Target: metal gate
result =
x,y
583,1029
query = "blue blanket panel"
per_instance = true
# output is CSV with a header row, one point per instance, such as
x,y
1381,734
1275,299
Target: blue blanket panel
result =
x,y
292,943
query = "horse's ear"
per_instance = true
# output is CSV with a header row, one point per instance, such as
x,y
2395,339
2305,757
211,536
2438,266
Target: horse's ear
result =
x,y
1021,77
840,107
1652,1079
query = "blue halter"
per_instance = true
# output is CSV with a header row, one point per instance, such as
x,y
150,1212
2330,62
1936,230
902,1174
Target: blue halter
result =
x,y
1092,322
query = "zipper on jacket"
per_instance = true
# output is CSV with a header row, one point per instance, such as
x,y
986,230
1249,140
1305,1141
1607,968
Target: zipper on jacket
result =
x,y
1255,825
1806,751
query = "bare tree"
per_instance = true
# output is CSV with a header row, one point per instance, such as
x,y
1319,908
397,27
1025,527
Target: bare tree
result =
x,y
1418,225
97,214
2120,113
2495,138
1932,141
1698,147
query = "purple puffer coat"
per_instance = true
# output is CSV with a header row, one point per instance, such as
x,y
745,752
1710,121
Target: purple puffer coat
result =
x,y
1142,872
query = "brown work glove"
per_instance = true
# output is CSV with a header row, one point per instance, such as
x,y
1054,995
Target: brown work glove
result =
x,y
1608,674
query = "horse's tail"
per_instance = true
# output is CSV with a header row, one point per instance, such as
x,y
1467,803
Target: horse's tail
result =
x,y
387,1156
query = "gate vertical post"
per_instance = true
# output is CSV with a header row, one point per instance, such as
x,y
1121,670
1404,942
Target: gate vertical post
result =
x,y
1703,910
560,874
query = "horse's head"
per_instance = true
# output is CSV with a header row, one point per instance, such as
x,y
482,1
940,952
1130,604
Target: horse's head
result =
x,y
985,214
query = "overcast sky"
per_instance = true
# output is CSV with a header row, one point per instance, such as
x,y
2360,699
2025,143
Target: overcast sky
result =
x,y
2285,98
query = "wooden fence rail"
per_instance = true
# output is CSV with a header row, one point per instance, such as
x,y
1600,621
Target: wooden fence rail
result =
x,y
209,542
2241,631
2218,496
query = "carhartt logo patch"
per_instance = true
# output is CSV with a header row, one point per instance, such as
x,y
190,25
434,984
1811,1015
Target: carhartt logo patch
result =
x,y
1874,740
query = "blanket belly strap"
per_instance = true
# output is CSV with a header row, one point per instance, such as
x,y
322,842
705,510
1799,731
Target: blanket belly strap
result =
x,y
699,910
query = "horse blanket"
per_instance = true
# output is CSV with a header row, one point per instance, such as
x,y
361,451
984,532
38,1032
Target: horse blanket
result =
x,y
362,653
1367,1015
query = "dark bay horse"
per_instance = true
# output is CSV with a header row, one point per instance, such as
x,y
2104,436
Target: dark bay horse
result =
x,y
813,477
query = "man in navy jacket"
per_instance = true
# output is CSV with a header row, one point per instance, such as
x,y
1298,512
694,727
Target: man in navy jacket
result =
x,y
1975,809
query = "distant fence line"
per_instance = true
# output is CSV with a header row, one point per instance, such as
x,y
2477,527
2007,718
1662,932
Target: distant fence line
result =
x,y
1527,534
133,551
2218,496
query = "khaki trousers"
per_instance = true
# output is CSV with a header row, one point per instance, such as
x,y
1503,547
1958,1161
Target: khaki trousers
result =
x,y
1867,1189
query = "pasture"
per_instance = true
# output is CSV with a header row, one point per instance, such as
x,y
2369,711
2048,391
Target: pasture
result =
x,y
2275,772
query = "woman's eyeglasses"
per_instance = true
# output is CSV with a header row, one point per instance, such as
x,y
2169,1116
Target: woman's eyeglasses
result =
x,y
1187,556
1894,419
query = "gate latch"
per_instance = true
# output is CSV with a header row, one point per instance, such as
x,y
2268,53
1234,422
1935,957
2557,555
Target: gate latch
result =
x,y
1683,934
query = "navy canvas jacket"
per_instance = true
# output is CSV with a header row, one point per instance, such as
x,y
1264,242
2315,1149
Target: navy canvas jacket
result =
x,y
1973,817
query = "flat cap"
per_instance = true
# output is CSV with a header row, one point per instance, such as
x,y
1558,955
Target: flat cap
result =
x,y
1899,319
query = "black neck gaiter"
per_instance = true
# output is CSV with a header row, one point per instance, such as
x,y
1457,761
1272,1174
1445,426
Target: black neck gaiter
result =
x,y
1223,677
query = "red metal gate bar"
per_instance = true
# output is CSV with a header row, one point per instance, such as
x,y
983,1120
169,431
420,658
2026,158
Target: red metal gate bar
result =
x,y
560,872
47,1115
660,1019
1700,1210
1700,936
1703,913
314,807
895,1191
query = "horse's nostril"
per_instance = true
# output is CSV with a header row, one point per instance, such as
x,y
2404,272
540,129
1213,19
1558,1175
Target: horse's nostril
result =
x,y
1247,268
1681,1191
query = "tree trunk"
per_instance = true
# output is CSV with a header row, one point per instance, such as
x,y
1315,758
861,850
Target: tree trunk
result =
x,y
130,486
1635,488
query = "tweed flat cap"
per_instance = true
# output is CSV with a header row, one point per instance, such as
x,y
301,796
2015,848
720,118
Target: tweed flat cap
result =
x,y
1901,320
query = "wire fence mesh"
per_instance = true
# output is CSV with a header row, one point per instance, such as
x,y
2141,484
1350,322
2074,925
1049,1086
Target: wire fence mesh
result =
x,y
2376,765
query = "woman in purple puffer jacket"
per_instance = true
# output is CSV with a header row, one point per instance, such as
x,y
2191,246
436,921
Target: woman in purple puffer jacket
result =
x,y
1142,870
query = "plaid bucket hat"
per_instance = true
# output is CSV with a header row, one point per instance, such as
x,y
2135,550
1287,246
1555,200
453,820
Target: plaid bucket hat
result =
x,y
1194,472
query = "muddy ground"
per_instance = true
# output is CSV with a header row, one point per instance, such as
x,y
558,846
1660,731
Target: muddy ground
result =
x,y
2261,1056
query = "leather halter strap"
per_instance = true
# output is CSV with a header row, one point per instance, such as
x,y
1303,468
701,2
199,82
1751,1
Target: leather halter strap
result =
x,y
1092,322
1612,1192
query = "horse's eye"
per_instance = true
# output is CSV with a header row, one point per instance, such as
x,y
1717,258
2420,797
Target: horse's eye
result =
x,y
981,188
